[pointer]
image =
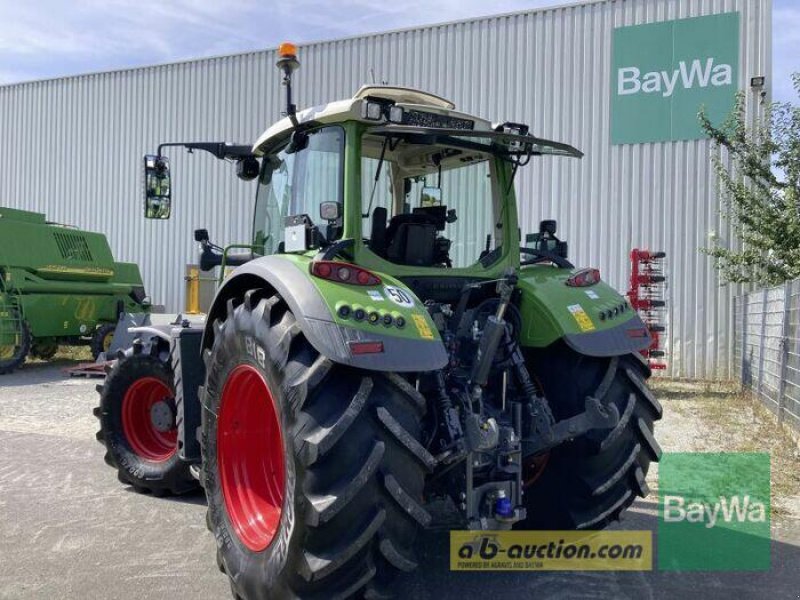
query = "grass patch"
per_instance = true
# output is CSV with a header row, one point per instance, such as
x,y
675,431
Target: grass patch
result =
x,y
64,353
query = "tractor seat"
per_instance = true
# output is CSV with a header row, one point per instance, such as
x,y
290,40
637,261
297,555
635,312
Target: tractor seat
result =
x,y
377,237
413,244
415,218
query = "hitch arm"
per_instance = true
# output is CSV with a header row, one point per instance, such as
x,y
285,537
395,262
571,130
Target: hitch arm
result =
x,y
595,416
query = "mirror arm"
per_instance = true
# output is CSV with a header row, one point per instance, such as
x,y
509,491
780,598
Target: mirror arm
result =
x,y
220,150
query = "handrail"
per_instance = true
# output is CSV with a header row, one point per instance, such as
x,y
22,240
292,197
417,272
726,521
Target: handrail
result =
x,y
224,262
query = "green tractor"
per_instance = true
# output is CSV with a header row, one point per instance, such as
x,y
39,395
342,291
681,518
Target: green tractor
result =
x,y
59,285
385,346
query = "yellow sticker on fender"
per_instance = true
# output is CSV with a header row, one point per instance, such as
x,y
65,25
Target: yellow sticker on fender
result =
x,y
581,318
422,327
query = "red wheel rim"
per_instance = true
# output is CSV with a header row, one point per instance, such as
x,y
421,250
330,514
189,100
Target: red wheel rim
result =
x,y
251,458
143,437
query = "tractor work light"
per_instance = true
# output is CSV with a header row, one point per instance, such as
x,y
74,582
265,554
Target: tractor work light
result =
x,y
377,111
584,278
340,272
395,114
513,128
372,111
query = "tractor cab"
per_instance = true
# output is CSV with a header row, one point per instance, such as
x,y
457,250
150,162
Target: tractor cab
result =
x,y
414,187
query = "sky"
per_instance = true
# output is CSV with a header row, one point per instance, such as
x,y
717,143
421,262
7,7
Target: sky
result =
x,y
52,38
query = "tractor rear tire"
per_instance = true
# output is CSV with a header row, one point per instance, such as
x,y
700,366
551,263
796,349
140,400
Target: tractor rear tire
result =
x,y
17,355
313,471
588,482
144,455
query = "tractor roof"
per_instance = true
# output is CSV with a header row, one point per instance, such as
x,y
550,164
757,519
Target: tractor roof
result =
x,y
353,110
403,95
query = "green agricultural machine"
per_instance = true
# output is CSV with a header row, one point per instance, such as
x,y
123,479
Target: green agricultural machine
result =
x,y
386,345
59,285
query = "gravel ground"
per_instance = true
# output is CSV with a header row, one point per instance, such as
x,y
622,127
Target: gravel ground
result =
x,y
68,529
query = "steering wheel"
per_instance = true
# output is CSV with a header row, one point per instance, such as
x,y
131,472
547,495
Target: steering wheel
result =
x,y
540,256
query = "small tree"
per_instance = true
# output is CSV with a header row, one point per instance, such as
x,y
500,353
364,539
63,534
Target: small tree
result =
x,y
760,193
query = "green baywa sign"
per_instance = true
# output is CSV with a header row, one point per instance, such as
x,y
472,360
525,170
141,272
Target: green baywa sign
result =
x,y
663,73
714,512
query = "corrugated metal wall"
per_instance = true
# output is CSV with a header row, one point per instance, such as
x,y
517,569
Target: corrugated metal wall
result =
x,y
72,147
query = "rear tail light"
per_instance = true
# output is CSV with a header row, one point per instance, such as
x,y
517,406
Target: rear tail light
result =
x,y
342,272
584,278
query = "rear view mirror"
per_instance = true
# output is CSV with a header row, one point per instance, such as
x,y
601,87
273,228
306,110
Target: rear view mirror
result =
x,y
157,188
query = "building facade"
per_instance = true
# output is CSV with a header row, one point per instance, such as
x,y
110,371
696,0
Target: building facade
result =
x,y
620,79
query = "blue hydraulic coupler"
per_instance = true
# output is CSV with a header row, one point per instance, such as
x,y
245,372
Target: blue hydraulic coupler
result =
x,y
502,506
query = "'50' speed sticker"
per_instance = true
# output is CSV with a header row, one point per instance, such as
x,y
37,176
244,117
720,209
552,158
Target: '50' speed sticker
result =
x,y
399,296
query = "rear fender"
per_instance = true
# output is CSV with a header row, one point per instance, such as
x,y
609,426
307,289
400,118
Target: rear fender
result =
x,y
594,320
314,303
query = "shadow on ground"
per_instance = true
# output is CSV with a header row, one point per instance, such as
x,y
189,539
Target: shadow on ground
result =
x,y
39,373
197,498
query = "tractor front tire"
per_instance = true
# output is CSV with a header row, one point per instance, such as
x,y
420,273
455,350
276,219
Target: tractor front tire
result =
x,y
102,338
313,471
143,450
587,483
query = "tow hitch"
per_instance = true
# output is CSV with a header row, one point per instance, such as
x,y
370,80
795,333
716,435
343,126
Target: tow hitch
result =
x,y
547,435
